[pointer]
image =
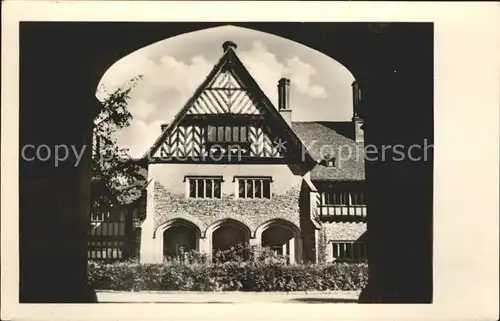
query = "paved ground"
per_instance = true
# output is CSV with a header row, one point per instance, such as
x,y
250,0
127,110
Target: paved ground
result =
x,y
228,297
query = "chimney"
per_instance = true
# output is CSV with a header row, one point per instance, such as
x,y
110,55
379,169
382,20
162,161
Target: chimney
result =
x,y
163,127
356,120
229,44
284,100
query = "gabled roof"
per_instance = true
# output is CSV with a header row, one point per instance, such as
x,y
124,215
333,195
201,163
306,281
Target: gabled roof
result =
x,y
322,137
229,58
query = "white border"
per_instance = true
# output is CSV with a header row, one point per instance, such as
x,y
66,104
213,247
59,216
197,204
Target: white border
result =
x,y
467,52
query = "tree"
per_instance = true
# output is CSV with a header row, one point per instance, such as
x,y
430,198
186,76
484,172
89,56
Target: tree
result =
x,y
116,178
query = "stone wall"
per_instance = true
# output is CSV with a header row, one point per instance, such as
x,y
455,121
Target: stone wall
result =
x,y
168,199
204,212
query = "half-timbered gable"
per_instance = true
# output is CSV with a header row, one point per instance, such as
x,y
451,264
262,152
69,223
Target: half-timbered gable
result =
x,y
228,118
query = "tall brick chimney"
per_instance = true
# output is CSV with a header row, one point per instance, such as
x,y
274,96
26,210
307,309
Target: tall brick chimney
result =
x,y
284,100
356,120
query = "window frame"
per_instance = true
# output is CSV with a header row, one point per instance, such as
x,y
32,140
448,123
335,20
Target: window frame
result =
x,y
97,217
327,196
349,198
357,193
222,130
352,243
217,145
237,180
102,216
189,178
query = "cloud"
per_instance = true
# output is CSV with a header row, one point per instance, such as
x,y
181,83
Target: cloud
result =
x,y
165,87
267,70
139,136
142,109
301,74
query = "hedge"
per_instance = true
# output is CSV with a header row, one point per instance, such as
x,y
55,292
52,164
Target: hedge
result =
x,y
228,276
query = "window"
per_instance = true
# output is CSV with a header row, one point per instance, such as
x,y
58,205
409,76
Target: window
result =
x,y
330,162
336,198
255,187
357,198
99,217
343,198
349,251
227,134
204,187
228,140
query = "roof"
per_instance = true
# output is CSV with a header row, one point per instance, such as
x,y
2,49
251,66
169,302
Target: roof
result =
x,y
324,138
230,60
315,137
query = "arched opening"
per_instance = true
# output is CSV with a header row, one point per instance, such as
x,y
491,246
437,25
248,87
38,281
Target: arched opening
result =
x,y
282,238
178,238
230,240
227,236
277,238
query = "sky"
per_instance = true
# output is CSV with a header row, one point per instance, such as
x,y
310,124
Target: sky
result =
x,y
172,69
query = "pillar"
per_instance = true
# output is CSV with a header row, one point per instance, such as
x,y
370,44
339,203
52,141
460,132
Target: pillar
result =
x,y
151,248
291,247
399,193
55,204
205,246
255,241
329,251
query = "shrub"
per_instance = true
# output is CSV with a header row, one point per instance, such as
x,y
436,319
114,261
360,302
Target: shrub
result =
x,y
255,270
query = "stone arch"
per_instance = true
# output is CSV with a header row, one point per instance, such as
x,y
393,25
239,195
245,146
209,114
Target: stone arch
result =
x,y
219,223
181,217
235,217
282,221
282,236
227,232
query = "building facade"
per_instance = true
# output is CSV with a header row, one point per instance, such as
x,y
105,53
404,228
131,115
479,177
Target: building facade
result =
x,y
232,168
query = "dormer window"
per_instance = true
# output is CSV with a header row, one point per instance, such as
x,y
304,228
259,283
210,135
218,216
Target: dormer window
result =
x,y
329,161
227,134
228,140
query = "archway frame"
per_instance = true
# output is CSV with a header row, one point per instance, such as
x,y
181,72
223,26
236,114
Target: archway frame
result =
x,y
209,232
199,224
160,231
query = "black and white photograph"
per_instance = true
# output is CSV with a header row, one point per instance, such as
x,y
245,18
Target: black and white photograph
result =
x,y
236,161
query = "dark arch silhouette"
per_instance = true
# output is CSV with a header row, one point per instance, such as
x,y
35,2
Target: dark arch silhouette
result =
x,y
179,235
231,43
397,109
